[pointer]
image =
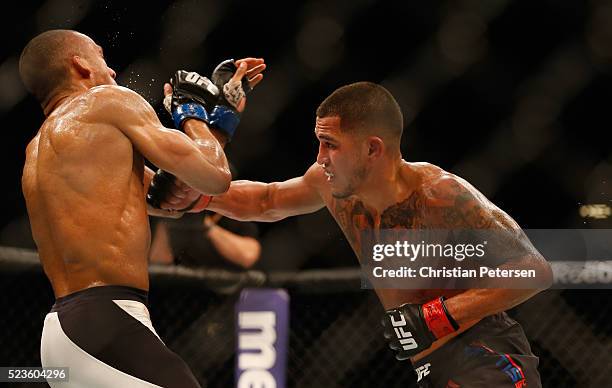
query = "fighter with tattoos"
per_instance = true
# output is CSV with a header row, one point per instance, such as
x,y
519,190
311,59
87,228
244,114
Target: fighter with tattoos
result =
x,y
453,337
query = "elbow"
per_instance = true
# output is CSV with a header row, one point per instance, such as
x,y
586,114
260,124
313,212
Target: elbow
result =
x,y
219,183
547,274
225,180
544,277
251,255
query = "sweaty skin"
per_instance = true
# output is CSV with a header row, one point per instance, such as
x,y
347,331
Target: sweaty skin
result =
x,y
425,207
84,178
434,199
84,183
397,195
86,239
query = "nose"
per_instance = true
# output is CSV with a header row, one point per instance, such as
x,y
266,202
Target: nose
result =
x,y
322,157
112,73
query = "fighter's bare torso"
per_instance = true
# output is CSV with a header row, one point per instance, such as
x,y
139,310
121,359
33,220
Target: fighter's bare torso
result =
x,y
436,199
414,211
83,184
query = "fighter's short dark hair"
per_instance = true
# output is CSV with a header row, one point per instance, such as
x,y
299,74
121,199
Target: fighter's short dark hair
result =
x,y
364,106
42,65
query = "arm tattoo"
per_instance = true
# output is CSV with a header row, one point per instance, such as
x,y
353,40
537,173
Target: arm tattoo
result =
x,y
447,205
464,209
468,211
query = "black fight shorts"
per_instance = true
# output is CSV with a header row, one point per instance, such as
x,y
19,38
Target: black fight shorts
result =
x,y
105,337
492,353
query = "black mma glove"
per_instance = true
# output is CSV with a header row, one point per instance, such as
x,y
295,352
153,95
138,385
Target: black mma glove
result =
x,y
412,328
193,96
160,187
225,115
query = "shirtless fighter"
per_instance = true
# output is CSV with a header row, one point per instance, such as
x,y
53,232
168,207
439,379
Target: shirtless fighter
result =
x,y
85,181
461,337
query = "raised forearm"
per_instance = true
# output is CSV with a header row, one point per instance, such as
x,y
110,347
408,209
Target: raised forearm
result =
x,y
201,130
216,177
240,250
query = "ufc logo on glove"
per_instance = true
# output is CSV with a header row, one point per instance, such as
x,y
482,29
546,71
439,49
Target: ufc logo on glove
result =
x,y
404,337
195,78
412,328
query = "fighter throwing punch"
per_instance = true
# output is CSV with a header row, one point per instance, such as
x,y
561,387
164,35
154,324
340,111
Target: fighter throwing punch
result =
x,y
85,181
460,337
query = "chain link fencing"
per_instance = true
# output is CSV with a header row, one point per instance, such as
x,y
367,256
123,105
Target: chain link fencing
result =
x,y
335,338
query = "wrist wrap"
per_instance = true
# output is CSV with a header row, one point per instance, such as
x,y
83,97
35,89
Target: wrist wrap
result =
x,y
437,318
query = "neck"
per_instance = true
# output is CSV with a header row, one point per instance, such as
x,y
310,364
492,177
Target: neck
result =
x,y
50,106
387,185
56,99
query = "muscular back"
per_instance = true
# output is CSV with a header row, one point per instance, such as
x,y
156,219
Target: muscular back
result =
x,y
83,185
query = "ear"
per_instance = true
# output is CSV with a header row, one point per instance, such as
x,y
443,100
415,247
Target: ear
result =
x,y
81,66
376,147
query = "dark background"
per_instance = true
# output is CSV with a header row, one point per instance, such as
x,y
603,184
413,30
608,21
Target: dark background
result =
x,y
514,96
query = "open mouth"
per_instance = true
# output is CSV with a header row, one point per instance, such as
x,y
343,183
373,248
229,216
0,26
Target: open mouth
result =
x,y
329,175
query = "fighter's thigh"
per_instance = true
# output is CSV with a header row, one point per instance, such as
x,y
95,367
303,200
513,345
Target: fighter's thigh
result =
x,y
112,343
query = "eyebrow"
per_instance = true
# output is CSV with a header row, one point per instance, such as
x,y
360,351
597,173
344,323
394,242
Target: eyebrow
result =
x,y
326,137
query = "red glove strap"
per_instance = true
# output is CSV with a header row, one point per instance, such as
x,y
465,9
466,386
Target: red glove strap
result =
x,y
437,319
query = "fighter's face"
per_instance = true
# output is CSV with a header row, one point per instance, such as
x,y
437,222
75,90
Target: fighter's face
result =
x,y
341,157
101,74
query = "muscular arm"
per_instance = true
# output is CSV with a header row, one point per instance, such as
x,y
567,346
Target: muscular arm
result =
x,y
241,250
195,157
256,201
463,207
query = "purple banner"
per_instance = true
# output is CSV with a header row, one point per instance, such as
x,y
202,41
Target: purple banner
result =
x,y
262,338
